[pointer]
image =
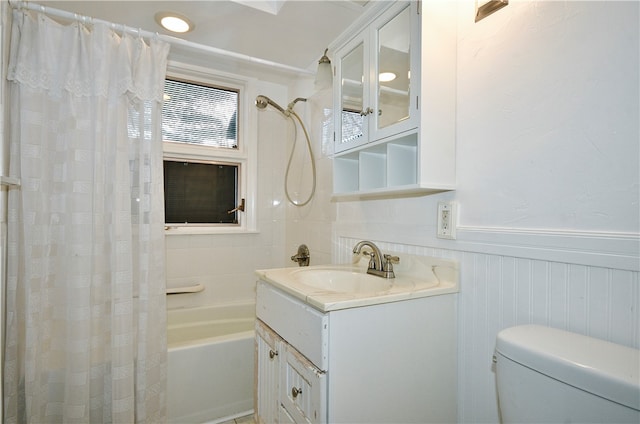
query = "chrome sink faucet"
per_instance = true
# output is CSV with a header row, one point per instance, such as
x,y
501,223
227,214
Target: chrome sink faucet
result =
x,y
379,264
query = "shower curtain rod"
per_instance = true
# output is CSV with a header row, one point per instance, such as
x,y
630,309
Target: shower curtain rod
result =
x,y
148,34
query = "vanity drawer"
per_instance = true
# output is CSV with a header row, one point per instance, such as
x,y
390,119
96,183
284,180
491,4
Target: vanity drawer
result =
x,y
303,389
300,325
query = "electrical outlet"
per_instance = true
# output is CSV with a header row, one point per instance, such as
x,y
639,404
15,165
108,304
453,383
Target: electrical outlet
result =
x,y
447,220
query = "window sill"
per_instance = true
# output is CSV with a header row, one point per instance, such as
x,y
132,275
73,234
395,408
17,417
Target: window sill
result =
x,y
181,231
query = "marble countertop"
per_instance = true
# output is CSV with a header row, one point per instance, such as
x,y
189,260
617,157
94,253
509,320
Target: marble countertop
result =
x,y
416,276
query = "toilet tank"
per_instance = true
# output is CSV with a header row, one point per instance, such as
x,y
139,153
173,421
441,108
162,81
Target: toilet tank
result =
x,y
546,375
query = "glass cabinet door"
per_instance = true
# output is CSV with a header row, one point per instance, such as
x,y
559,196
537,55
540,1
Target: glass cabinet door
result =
x,y
374,93
352,97
394,70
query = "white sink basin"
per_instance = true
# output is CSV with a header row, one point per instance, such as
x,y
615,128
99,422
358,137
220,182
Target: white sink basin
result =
x,y
341,281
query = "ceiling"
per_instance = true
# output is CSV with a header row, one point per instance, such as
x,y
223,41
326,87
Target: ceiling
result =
x,y
294,36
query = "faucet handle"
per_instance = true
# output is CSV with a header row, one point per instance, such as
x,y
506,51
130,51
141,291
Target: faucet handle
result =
x,y
391,259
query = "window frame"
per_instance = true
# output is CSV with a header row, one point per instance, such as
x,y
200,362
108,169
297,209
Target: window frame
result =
x,y
244,156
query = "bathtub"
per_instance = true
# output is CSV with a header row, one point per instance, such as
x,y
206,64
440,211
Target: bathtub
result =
x,y
210,363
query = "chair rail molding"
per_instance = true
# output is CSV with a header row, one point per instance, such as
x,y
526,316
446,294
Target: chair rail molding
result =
x,y
603,249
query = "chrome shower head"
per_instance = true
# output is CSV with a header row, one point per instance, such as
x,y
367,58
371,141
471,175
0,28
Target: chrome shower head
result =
x,y
263,101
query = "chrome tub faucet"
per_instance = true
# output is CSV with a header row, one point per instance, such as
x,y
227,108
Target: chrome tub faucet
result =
x,y
303,256
379,264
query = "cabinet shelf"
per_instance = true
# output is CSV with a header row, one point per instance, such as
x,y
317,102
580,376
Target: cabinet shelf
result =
x,y
409,190
385,169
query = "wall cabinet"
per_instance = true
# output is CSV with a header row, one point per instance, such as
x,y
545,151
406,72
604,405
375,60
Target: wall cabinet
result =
x,y
366,364
376,95
397,135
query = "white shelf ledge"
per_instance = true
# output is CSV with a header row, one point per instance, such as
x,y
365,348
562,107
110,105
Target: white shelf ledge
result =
x,y
412,190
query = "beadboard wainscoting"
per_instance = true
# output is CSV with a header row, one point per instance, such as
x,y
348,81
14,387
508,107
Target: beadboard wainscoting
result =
x,y
512,277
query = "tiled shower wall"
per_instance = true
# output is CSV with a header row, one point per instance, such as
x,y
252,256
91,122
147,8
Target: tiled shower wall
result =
x,y
225,264
498,291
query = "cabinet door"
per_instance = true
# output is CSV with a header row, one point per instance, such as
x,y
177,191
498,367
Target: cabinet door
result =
x,y
268,346
352,99
376,96
395,39
285,417
302,389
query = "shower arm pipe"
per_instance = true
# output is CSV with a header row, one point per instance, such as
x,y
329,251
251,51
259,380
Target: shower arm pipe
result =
x,y
148,34
293,103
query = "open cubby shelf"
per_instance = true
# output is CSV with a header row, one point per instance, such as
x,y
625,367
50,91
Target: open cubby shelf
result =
x,y
384,167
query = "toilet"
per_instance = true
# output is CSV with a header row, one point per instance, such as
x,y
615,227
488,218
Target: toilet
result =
x,y
546,375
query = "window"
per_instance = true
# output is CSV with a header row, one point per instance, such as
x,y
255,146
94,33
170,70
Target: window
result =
x,y
206,159
200,193
199,114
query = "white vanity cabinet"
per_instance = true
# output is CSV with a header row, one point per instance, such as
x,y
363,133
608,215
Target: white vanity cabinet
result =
x,y
289,387
398,136
391,362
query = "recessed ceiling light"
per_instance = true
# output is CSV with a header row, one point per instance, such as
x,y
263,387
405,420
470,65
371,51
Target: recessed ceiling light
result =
x,y
386,76
174,22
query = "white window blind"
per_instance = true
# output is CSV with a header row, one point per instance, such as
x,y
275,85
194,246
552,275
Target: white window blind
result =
x,y
200,114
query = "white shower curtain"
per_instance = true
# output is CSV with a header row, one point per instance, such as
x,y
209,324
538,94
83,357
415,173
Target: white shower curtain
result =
x,y
85,323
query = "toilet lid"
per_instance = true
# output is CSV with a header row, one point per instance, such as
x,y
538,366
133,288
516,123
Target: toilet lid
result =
x,y
599,367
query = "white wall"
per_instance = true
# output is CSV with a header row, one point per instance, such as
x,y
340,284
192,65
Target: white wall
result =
x,y
548,116
548,169
547,120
